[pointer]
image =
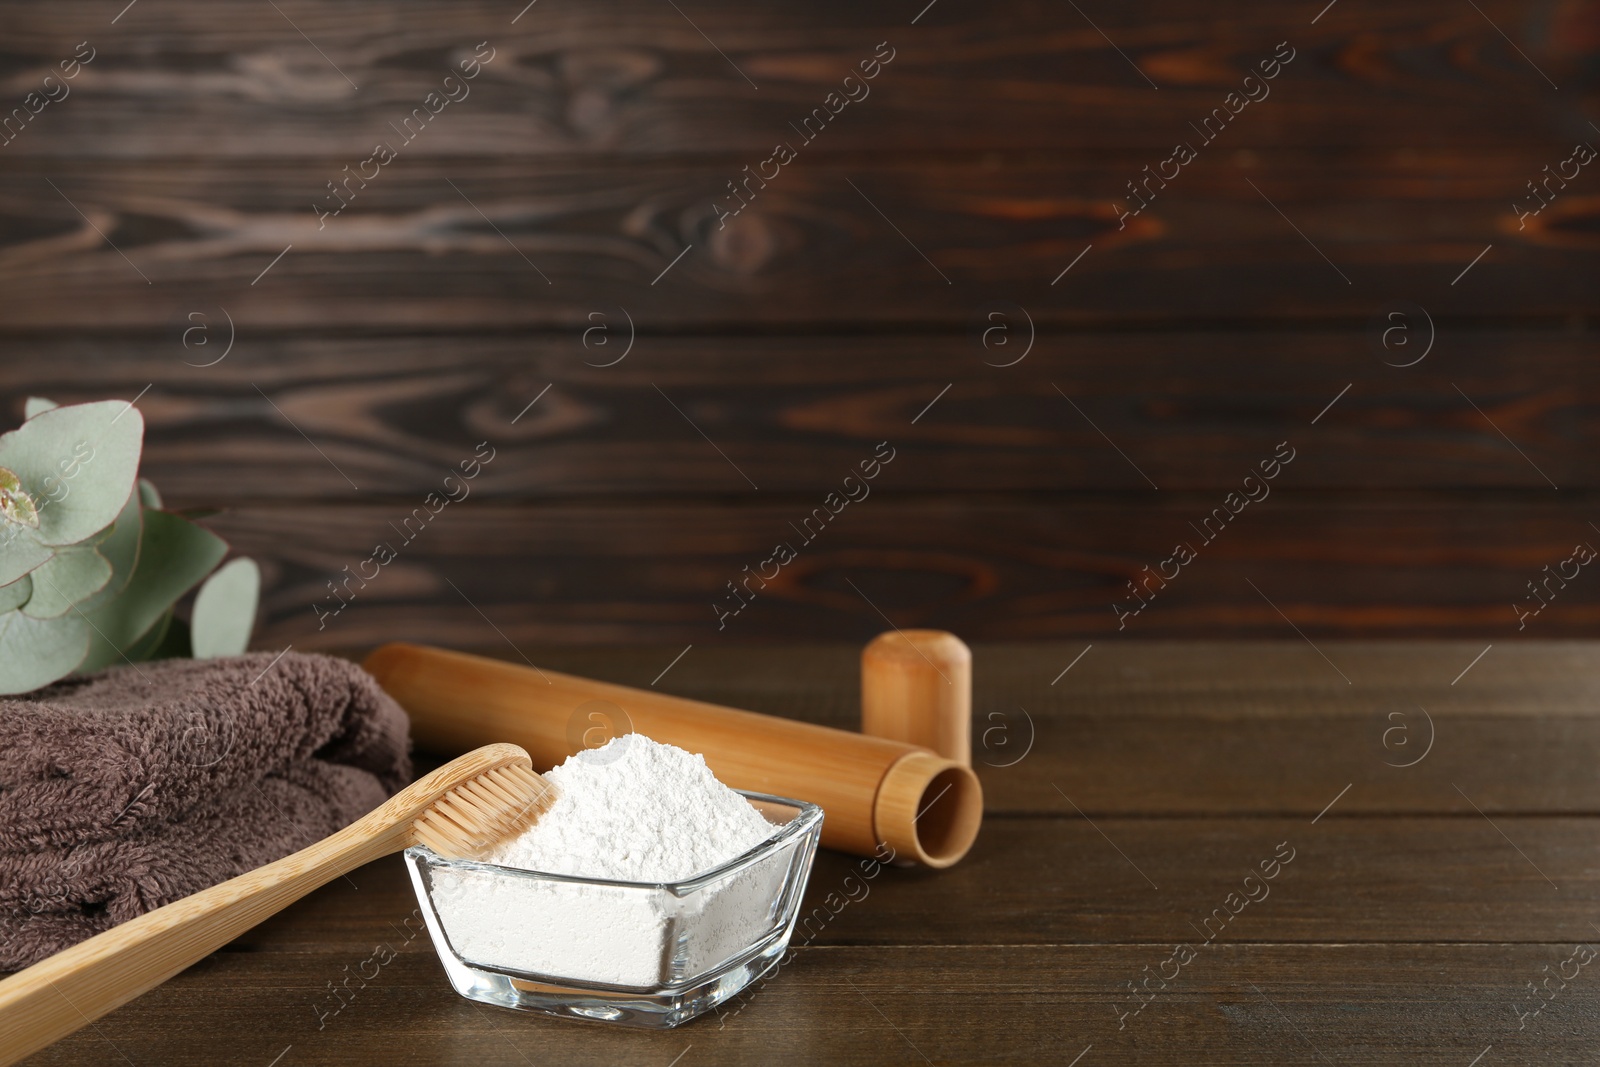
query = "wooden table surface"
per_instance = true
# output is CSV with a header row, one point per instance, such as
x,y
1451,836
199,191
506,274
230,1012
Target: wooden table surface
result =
x,y
1436,832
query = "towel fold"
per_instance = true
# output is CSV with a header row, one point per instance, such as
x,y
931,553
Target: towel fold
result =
x,y
133,787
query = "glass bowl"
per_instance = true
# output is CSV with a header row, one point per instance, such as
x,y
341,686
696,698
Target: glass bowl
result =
x,y
653,954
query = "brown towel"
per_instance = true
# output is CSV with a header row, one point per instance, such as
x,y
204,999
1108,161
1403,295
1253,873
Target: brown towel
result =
x,y
131,788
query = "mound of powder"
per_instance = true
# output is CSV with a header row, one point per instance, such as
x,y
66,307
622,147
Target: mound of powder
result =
x,y
635,810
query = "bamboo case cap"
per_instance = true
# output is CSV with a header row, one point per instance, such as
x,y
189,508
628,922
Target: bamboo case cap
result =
x,y
916,687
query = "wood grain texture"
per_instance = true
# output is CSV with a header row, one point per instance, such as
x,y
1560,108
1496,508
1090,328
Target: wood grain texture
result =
x,y
514,247
1199,410
244,80
987,568
1144,728
1427,1004
1406,924
173,192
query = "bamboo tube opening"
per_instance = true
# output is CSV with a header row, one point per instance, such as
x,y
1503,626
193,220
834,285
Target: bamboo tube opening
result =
x,y
928,809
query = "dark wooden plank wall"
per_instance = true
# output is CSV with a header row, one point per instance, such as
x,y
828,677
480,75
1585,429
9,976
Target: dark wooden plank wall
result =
x,y
140,218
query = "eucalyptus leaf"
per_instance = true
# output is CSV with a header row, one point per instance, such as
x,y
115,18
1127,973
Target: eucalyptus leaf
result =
x,y
121,549
16,594
174,554
73,574
78,463
148,494
20,552
36,405
35,652
225,610
15,503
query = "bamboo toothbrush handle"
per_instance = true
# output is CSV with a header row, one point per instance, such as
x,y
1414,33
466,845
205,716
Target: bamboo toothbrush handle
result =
x,y
58,995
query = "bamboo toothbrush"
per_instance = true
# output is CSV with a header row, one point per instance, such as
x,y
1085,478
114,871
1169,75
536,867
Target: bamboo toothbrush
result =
x,y
457,811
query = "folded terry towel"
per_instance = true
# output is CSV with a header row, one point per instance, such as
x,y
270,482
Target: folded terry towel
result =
x,y
133,787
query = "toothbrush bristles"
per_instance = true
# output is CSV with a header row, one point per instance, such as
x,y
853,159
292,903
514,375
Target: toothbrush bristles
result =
x,y
475,815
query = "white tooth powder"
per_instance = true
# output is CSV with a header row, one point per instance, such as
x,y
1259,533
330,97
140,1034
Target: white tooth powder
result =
x,y
633,810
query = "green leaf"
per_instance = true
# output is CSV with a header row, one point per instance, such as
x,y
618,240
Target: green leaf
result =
x,y
36,405
78,463
73,574
120,547
20,552
15,503
16,594
225,610
173,555
148,494
35,652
